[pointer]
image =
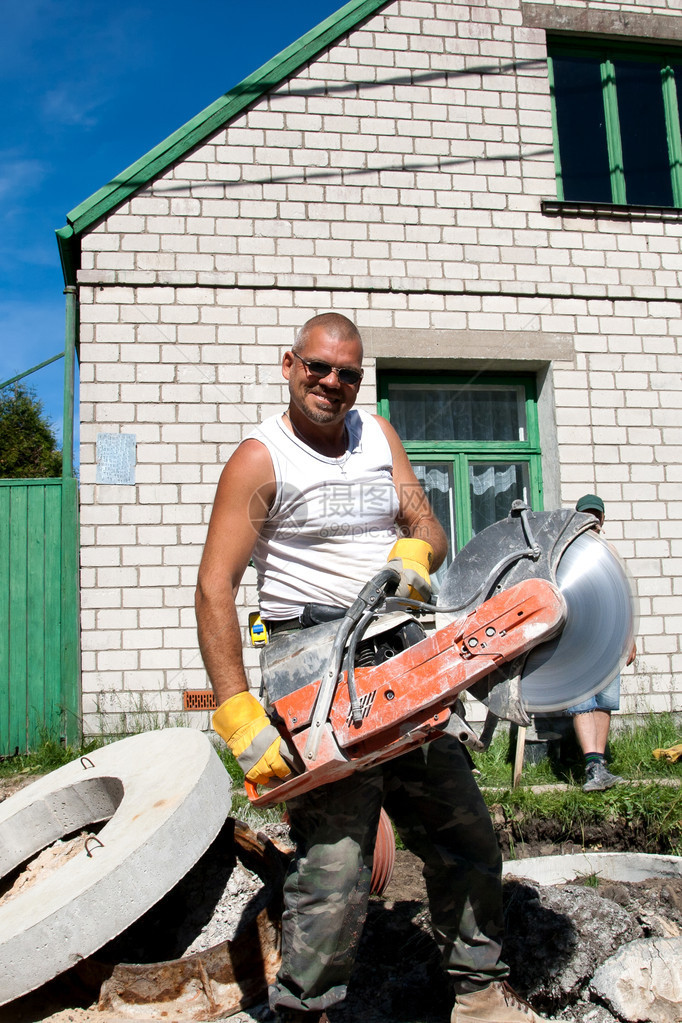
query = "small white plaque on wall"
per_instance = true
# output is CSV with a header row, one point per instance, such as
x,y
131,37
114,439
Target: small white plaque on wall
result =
x,y
116,459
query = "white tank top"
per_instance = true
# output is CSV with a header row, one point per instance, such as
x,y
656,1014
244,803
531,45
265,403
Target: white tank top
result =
x,y
332,523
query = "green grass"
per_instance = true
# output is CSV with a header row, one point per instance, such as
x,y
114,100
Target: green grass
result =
x,y
649,815
48,756
254,816
587,880
630,748
649,810
231,766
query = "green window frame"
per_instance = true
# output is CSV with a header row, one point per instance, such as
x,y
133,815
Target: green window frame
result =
x,y
616,122
463,458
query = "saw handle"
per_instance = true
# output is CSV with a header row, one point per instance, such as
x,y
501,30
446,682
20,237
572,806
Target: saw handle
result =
x,y
251,790
287,752
255,794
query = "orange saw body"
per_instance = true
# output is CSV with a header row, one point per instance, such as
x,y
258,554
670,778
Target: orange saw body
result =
x,y
408,699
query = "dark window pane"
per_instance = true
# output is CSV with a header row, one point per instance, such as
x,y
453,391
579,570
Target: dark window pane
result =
x,y
458,414
582,129
643,135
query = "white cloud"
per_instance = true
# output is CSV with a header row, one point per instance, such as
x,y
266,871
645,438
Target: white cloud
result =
x,y
65,106
20,175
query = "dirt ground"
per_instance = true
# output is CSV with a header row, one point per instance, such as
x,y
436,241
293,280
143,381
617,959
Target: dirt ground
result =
x,y
397,978
12,784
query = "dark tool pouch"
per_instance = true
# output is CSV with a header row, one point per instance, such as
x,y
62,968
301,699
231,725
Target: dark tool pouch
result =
x,y
318,614
312,614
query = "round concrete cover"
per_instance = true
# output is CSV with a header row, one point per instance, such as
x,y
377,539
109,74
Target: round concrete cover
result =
x,y
616,866
165,796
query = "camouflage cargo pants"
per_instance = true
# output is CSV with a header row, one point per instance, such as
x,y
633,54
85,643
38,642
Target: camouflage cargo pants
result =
x,y
432,798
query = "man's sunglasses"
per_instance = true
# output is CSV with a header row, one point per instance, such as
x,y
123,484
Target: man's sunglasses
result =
x,y
323,369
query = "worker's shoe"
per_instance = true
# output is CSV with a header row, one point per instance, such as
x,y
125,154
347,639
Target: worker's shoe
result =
x,y
599,777
497,1003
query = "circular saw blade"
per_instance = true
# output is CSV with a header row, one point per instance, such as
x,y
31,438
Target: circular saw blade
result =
x,y
598,634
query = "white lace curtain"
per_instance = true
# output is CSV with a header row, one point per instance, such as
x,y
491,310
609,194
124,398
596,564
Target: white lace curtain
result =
x,y
472,412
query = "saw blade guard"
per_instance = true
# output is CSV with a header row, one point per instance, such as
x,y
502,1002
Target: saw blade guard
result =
x,y
562,547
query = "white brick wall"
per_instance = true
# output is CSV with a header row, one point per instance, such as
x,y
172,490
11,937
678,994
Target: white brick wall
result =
x,y
396,179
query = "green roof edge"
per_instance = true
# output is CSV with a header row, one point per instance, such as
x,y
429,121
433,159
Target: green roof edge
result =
x,y
218,113
69,253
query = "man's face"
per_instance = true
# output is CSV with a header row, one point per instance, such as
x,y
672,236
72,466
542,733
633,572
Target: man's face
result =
x,y
323,399
599,518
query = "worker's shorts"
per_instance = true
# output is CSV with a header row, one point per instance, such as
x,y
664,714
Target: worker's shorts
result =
x,y
607,699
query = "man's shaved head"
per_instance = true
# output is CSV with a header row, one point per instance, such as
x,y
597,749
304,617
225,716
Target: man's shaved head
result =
x,y
335,325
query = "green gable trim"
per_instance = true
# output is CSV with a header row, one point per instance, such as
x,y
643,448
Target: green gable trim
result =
x,y
216,115
69,253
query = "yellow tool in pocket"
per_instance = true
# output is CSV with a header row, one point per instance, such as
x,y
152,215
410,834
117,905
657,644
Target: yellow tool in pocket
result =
x,y
257,629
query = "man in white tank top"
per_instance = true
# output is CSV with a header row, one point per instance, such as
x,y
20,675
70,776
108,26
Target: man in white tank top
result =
x,y
321,498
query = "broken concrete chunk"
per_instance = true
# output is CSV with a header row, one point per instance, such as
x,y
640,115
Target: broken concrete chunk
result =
x,y
643,981
557,937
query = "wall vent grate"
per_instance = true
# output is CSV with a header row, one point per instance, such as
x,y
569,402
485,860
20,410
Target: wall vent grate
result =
x,y
199,699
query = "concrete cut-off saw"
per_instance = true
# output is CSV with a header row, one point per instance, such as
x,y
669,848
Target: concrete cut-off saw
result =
x,y
534,614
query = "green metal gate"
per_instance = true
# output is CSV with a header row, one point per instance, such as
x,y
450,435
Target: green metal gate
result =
x,y
39,613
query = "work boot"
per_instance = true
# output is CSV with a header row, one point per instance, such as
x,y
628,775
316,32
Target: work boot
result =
x,y
599,777
497,1003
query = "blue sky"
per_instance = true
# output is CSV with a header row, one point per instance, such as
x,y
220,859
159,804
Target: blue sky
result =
x,y
88,88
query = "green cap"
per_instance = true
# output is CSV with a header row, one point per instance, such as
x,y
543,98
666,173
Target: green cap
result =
x,y
590,502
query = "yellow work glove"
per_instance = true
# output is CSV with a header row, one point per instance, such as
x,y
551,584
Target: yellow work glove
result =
x,y
412,558
242,722
672,753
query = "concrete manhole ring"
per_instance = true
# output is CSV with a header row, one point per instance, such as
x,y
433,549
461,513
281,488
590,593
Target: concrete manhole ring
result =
x,y
165,795
614,866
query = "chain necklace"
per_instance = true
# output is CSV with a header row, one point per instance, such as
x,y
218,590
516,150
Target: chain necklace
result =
x,y
339,460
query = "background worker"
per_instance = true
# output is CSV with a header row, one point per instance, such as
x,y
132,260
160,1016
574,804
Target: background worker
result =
x,y
592,717
322,497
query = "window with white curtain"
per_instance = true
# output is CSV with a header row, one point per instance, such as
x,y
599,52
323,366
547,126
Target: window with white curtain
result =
x,y
473,442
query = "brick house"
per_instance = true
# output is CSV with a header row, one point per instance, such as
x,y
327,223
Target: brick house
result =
x,y
493,192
